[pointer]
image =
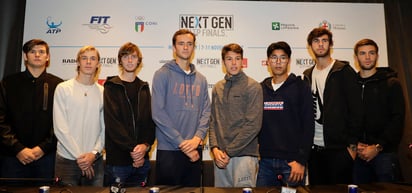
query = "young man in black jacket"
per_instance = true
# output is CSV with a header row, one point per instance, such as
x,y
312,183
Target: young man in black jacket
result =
x,y
130,130
383,118
26,123
336,104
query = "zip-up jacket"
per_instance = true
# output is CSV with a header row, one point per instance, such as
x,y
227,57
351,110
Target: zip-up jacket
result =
x,y
237,107
384,109
26,112
123,130
341,105
288,120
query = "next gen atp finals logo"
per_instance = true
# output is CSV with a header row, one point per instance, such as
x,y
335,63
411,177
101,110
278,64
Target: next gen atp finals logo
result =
x,y
207,25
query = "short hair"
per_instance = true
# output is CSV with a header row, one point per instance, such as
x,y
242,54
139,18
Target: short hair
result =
x,y
279,46
317,32
129,48
365,42
28,46
232,47
86,49
182,32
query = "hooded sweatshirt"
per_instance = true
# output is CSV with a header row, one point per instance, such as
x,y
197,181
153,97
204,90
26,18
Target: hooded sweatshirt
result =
x,y
288,120
180,105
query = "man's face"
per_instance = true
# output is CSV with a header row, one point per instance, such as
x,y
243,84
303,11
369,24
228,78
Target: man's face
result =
x,y
88,63
37,57
367,57
233,62
184,46
278,62
321,46
129,62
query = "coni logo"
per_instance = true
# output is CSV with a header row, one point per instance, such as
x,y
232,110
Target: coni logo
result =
x,y
275,25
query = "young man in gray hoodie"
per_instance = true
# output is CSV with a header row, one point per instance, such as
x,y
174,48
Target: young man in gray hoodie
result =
x,y
181,110
236,119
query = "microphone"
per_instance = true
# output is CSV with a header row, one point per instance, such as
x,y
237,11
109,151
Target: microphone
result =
x,y
280,179
285,186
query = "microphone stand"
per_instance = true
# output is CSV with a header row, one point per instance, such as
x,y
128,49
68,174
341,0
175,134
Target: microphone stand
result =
x,y
201,169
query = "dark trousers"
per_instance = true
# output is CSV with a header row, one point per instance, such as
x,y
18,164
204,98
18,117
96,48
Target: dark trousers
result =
x,y
71,175
128,175
39,172
175,168
327,166
383,168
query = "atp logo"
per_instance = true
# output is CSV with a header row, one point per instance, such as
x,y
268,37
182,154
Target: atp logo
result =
x,y
53,26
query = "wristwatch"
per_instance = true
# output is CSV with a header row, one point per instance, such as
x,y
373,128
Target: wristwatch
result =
x,y
96,154
352,147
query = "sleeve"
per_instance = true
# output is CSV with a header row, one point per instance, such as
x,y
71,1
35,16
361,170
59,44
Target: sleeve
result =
x,y
205,114
60,122
115,127
394,125
148,127
308,123
253,121
8,136
212,129
354,103
99,145
163,122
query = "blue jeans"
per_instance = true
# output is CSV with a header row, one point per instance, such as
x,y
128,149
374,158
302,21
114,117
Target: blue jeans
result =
x,y
71,175
269,169
383,168
42,168
129,176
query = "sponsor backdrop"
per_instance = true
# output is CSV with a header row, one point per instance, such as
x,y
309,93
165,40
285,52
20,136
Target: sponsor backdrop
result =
x,y
107,24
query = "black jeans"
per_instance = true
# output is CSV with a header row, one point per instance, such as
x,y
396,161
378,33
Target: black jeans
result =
x,y
175,168
330,166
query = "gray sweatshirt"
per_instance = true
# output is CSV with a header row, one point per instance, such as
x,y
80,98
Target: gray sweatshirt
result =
x,y
236,119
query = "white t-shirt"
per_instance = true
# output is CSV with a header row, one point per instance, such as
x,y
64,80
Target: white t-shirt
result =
x,y
318,86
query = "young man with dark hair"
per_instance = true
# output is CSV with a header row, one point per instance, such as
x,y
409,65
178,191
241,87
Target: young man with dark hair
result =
x,y
336,103
235,123
286,137
26,123
383,118
130,130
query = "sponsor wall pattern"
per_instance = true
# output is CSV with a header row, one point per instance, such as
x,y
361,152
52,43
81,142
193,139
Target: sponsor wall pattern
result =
x,y
107,24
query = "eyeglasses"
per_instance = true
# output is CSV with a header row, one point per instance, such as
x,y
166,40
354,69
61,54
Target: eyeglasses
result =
x,y
275,58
